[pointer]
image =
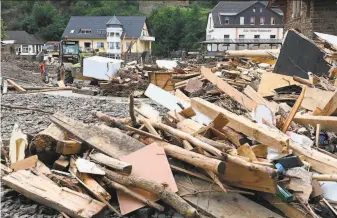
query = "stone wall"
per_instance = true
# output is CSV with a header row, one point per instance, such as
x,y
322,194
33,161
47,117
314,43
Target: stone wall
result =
x,y
316,16
146,6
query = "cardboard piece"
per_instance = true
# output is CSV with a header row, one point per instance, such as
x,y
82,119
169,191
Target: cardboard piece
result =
x,y
156,168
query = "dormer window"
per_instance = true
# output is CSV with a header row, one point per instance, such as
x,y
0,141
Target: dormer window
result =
x,y
254,9
72,31
85,31
226,20
101,31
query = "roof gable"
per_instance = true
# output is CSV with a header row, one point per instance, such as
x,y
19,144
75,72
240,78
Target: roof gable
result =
x,y
132,26
276,11
114,21
22,37
233,8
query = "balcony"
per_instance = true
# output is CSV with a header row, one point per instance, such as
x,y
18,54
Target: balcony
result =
x,y
147,38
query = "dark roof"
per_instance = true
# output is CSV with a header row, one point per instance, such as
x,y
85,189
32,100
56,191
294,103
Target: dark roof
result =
x,y
235,7
114,21
22,37
132,26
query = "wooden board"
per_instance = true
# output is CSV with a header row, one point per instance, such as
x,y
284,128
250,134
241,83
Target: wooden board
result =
x,y
189,126
330,108
26,163
271,81
228,89
162,80
252,94
110,141
111,162
16,86
268,136
17,144
218,204
46,192
314,98
327,122
155,168
288,209
293,111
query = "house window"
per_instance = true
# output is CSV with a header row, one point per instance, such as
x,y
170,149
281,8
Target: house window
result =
x,y
118,45
111,34
226,36
241,36
272,20
252,20
100,45
210,23
262,20
25,49
260,10
101,31
273,36
85,31
254,9
72,31
117,34
256,36
226,20
111,45
297,8
242,20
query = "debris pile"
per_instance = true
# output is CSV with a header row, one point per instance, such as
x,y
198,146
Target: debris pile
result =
x,y
230,143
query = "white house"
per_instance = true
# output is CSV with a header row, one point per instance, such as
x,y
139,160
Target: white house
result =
x,y
243,25
25,43
114,30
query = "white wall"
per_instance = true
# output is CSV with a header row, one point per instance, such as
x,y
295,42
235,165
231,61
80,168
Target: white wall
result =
x,y
32,49
115,39
218,33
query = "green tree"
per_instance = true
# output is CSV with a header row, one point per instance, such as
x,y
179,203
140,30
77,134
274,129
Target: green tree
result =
x,y
3,28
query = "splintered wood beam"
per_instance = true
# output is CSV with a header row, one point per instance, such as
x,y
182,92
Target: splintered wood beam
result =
x,y
268,136
241,98
327,122
293,111
16,86
46,192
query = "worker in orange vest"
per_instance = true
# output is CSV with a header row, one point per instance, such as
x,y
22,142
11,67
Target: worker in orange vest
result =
x,y
43,72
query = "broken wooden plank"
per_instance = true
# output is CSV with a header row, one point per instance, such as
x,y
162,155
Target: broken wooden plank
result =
x,y
262,53
182,96
261,133
330,108
16,86
316,98
68,147
17,144
271,81
228,89
110,141
293,111
85,166
207,198
64,200
94,185
61,164
258,98
24,164
111,162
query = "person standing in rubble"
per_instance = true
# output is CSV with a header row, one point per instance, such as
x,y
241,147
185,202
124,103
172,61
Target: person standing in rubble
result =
x,y
43,72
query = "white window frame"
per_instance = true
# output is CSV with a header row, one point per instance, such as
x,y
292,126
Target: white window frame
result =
x,y
25,49
226,20
118,45
117,34
99,44
242,20
254,9
258,36
250,20
241,36
272,21
226,37
261,10
264,20
272,37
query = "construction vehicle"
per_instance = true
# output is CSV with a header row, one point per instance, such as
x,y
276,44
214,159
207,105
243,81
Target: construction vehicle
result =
x,y
69,55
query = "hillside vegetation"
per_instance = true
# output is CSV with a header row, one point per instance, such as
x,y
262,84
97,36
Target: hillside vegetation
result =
x,y
174,28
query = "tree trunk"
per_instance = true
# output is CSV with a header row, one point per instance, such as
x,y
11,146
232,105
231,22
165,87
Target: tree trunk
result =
x,y
133,194
168,197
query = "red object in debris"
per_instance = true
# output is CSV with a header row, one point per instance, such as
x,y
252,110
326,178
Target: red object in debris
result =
x,y
41,68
